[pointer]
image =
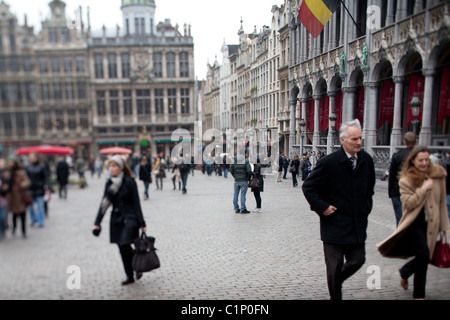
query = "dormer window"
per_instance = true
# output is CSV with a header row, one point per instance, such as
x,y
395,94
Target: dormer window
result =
x,y
53,35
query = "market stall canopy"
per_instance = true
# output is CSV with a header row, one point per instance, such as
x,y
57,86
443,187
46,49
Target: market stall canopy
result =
x,y
47,150
116,150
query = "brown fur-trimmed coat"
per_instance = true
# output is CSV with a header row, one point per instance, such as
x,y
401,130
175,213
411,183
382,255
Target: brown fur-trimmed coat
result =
x,y
413,200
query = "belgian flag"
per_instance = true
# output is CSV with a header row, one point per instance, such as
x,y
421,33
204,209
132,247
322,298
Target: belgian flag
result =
x,y
315,14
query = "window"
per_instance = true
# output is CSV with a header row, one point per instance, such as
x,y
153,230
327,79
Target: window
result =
x,y
139,25
127,103
157,64
30,91
2,64
47,120
52,35
59,120
20,123
55,64
81,86
27,64
80,63
125,65
170,63
114,102
185,101
159,101
101,106
172,98
143,102
67,64
69,91
43,67
84,121
33,122
4,93
112,66
65,35
127,26
72,118
16,92
1,43
12,42
98,61
184,64
57,92
7,125
14,64
45,92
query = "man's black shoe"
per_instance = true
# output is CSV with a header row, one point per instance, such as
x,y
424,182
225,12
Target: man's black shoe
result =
x,y
245,211
128,281
237,211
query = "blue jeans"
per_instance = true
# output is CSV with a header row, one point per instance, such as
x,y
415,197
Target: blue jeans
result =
x,y
146,185
397,204
37,211
242,187
184,177
3,213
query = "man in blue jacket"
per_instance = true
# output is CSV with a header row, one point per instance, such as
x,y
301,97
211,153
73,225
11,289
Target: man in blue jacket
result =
x,y
241,171
340,191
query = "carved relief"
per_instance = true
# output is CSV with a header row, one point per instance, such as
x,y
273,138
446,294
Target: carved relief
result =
x,y
140,69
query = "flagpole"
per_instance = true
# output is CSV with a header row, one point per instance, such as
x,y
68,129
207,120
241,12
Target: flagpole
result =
x,y
342,2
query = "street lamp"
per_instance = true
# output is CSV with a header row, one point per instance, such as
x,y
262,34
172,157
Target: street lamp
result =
x,y
302,124
415,108
333,118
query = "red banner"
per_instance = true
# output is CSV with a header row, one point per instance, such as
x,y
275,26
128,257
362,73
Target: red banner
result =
x,y
416,85
444,100
387,103
310,115
360,114
324,112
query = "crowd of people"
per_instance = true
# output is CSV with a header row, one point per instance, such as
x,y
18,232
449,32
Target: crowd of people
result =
x,y
339,188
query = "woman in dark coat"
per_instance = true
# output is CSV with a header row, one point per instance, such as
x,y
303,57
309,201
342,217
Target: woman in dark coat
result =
x,y
257,191
145,174
294,167
121,193
62,175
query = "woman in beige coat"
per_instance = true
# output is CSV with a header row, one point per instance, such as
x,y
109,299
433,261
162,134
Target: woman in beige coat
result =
x,y
16,205
423,196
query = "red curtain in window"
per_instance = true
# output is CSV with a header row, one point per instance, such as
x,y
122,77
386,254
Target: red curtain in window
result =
x,y
360,114
338,109
416,85
387,103
324,112
444,101
310,115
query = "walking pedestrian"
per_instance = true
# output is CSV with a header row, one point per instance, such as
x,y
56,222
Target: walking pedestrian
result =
x,y
176,176
398,158
145,174
340,191
294,169
160,172
257,173
4,186
98,166
285,163
19,183
241,172
62,176
185,168
121,193
280,168
305,166
423,195
313,159
38,175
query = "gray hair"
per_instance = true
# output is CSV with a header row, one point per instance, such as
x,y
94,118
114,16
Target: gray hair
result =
x,y
344,128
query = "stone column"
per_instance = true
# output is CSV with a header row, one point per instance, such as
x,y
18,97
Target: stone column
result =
x,y
370,115
332,109
316,135
292,107
426,131
396,135
348,103
401,10
390,12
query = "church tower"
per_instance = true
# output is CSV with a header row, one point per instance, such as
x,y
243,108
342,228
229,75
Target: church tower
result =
x,y
138,17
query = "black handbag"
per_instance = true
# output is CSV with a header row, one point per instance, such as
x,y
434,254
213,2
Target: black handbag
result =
x,y
144,257
253,183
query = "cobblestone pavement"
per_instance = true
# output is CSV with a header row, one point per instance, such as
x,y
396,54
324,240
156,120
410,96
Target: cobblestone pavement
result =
x,y
207,251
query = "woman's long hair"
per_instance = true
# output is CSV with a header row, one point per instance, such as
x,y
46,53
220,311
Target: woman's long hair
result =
x,y
126,169
409,169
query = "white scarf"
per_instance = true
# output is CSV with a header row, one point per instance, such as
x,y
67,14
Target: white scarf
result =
x,y
112,190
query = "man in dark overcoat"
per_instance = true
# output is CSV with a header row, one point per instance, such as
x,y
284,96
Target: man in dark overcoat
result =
x,y
341,194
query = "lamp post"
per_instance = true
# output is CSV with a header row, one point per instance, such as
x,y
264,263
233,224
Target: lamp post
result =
x,y
302,124
415,108
333,118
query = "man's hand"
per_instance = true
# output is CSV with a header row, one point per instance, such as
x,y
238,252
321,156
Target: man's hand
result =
x,y
329,211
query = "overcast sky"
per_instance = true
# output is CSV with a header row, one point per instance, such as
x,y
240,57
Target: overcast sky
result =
x,y
211,21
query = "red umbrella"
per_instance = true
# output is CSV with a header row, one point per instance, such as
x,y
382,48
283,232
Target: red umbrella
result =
x,y
47,150
116,150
